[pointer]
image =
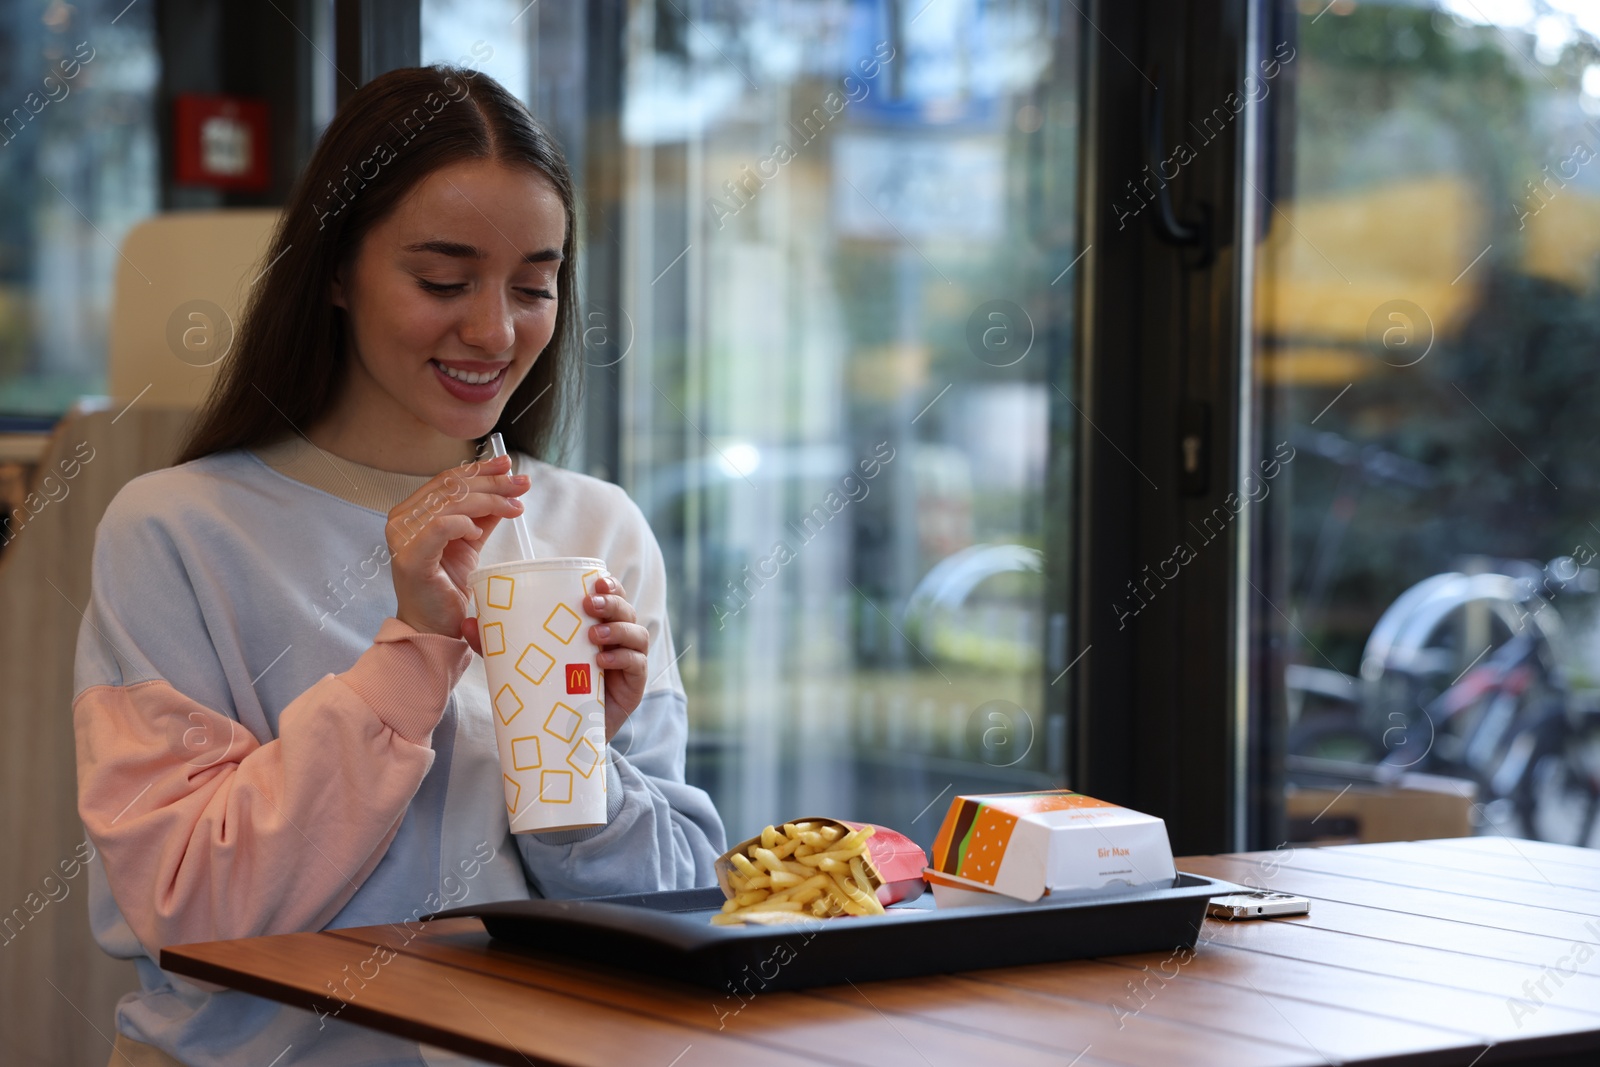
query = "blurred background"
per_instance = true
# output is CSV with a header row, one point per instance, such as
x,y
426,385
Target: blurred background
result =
x,y
1424,322
1189,404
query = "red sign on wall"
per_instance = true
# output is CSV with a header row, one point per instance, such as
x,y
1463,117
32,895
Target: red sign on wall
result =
x,y
221,141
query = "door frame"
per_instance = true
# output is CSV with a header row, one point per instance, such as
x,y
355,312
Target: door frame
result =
x,y
1167,715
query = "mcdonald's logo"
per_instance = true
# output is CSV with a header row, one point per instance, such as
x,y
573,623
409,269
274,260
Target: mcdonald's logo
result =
x,y
578,678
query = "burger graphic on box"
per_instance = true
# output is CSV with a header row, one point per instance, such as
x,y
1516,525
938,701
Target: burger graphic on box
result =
x,y
1004,847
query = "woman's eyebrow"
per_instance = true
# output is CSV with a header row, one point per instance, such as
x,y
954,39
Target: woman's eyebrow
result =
x,y
466,251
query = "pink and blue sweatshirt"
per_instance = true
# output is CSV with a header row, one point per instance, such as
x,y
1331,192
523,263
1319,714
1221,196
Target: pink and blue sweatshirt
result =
x,y
263,748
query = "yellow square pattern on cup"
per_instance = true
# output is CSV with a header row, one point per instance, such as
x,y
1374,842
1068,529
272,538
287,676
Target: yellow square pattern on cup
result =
x,y
555,787
584,757
513,793
507,704
500,589
562,722
494,638
587,582
529,664
525,755
563,620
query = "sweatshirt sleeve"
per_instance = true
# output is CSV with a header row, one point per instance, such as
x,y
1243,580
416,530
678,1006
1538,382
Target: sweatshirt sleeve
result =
x,y
206,830
660,833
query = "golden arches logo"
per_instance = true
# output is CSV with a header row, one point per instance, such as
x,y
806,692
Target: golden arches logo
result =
x,y
578,680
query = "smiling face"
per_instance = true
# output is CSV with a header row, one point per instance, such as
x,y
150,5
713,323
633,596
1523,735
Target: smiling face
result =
x,y
450,299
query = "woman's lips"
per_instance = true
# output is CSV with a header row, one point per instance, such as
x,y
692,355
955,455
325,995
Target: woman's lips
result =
x,y
472,394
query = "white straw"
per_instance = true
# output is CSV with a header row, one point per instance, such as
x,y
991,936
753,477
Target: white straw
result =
x,y
497,445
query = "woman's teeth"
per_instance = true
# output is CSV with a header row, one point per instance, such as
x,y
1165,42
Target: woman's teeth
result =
x,y
467,376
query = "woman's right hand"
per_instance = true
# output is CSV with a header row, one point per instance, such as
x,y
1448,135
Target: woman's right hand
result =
x,y
434,536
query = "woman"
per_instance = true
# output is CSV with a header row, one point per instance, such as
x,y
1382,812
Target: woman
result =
x,y
273,734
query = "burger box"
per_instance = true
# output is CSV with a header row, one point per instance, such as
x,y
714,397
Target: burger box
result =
x,y
894,863
996,849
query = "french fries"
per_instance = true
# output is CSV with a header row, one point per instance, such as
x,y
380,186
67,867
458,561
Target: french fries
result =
x,y
799,870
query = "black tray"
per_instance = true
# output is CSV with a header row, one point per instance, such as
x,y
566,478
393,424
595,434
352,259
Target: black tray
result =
x,y
670,934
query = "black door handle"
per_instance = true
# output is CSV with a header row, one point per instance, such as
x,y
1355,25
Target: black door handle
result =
x,y
1169,228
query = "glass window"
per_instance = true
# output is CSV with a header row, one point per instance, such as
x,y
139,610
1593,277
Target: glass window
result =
x,y
1426,323
841,351
79,166
487,35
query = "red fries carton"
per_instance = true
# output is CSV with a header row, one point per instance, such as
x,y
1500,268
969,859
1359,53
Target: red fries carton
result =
x,y
1004,847
894,863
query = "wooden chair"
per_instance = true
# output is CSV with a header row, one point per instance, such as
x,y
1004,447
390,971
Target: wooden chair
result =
x,y
58,990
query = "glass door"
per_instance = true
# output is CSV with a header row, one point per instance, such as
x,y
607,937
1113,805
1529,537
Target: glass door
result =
x,y
828,311
842,358
1425,330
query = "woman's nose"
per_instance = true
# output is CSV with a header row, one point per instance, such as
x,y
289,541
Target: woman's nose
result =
x,y
488,322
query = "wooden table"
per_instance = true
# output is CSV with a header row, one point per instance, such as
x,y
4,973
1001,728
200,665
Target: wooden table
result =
x,y
1413,953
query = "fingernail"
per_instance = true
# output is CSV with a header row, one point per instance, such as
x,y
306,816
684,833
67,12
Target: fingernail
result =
x,y
522,480
597,602
602,632
514,502
606,657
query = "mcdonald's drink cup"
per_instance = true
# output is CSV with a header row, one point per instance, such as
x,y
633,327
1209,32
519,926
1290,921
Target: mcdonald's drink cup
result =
x,y
546,690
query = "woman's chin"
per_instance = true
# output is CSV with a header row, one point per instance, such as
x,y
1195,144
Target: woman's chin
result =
x,y
465,421
463,426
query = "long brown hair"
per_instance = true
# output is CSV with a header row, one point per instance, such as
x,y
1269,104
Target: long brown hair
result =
x,y
289,358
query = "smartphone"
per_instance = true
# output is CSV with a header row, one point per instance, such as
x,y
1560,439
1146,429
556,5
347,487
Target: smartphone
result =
x,y
1260,904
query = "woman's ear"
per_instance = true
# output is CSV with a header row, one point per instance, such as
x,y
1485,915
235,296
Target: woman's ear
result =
x,y
336,290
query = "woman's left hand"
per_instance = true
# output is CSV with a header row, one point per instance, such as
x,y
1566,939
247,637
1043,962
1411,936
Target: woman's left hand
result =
x,y
624,647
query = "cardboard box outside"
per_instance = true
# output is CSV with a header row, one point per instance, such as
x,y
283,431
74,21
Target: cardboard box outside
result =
x,y
1416,808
